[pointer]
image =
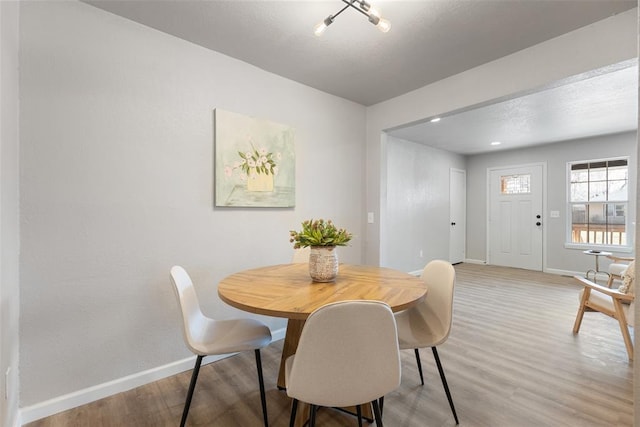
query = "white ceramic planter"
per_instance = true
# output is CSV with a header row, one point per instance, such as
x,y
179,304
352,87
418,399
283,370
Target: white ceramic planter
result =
x,y
323,263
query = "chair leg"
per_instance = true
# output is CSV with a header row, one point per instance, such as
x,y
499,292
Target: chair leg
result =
x,y
377,413
419,365
381,400
444,383
192,386
622,321
583,306
314,409
294,410
263,398
359,411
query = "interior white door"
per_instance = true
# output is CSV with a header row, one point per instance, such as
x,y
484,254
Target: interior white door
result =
x,y
515,217
457,215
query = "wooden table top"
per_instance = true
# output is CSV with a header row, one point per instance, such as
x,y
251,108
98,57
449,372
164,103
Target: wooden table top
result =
x,y
286,290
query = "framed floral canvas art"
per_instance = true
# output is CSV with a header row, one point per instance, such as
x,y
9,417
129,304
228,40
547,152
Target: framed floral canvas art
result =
x,y
254,162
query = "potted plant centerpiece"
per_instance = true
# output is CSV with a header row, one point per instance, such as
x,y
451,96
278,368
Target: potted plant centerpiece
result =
x,y
323,237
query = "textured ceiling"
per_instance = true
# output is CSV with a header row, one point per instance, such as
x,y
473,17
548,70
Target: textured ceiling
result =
x,y
600,103
428,41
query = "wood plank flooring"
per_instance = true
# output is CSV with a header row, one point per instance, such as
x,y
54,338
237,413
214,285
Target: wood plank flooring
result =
x,y
511,360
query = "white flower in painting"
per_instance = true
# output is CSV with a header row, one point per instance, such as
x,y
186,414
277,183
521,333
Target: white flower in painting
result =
x,y
255,162
274,170
228,171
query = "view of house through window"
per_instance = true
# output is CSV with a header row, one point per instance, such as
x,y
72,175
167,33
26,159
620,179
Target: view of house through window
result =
x,y
598,202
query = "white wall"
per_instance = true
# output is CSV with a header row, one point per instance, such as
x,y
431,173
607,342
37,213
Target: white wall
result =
x,y
417,208
603,43
117,186
556,156
9,234
116,176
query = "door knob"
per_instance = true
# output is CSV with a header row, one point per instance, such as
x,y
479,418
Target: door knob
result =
x,y
538,216
453,223
538,223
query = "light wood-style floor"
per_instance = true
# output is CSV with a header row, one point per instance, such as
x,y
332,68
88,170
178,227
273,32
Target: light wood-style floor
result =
x,y
511,360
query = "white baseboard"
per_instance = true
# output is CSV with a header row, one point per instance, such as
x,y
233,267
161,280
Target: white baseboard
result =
x,y
91,394
418,273
475,261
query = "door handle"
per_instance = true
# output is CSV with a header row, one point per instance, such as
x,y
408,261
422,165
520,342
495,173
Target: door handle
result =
x,y
538,223
453,223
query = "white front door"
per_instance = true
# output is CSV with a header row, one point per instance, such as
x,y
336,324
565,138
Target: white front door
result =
x,y
457,214
515,217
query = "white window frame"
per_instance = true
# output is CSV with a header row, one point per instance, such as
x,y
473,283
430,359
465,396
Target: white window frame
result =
x,y
628,247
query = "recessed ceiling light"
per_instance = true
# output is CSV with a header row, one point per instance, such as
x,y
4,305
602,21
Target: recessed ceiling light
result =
x,y
496,143
435,120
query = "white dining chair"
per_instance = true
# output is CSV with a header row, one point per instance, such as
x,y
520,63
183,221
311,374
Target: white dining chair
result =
x,y
206,337
347,356
428,324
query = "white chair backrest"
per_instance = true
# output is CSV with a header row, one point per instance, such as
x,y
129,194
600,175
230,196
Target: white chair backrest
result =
x,y
193,320
301,255
347,355
437,308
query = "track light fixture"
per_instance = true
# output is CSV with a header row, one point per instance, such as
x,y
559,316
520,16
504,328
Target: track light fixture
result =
x,y
361,6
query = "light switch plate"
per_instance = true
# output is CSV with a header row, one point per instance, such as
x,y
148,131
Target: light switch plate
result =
x,y
370,217
554,214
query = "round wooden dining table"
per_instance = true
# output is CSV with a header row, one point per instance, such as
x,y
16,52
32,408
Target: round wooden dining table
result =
x,y
287,291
